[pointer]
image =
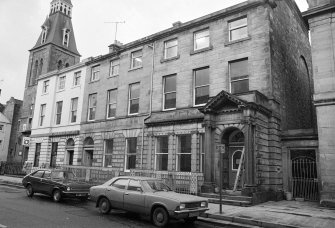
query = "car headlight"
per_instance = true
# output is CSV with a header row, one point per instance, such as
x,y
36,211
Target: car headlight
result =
x,y
68,189
182,206
203,204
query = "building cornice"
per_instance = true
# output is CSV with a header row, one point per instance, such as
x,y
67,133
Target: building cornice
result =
x,y
183,27
316,11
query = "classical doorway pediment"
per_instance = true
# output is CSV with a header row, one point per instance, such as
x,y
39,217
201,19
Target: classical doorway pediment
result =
x,y
223,102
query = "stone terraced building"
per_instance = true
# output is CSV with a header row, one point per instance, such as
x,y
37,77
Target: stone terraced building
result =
x,y
226,93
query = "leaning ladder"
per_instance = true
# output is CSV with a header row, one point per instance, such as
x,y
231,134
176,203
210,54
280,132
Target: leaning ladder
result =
x,y
239,171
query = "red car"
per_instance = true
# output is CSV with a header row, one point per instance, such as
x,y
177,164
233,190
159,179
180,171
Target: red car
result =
x,y
56,183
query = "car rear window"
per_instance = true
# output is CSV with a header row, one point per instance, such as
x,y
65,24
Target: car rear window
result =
x,y
38,174
120,183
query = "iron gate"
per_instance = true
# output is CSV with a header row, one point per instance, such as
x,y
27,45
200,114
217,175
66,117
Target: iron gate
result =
x,y
304,178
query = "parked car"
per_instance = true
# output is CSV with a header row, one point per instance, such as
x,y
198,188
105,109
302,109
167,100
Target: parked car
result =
x,y
56,183
147,196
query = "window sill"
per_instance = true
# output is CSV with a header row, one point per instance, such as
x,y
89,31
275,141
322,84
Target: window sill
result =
x,y
111,118
112,76
61,90
194,52
170,59
133,114
199,105
75,86
135,68
91,82
237,41
170,109
44,94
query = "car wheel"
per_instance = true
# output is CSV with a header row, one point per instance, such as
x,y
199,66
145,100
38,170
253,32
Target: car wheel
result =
x,y
104,206
160,217
190,220
56,195
29,190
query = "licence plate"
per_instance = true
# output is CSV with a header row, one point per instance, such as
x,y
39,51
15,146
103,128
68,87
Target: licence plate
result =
x,y
193,214
80,194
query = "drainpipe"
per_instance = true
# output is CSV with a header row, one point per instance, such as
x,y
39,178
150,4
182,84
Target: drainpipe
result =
x,y
150,105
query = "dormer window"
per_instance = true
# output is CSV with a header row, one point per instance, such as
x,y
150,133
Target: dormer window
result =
x,y
44,34
66,37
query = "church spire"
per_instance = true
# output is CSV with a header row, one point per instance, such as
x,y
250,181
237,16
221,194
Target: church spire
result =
x,y
57,28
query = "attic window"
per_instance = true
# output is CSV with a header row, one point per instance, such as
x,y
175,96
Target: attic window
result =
x,y
44,34
66,37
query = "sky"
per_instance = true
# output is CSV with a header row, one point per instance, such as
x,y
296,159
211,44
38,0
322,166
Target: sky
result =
x,y
21,20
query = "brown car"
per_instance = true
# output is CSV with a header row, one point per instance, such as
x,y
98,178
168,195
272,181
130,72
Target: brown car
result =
x,y
56,183
147,196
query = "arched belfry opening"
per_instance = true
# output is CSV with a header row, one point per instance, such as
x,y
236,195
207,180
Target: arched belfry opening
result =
x,y
234,140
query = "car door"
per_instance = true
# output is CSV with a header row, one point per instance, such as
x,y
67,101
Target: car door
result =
x,y
115,192
134,197
36,181
47,184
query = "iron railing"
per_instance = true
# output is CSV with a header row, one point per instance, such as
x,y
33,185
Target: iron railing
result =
x,y
11,168
304,181
182,182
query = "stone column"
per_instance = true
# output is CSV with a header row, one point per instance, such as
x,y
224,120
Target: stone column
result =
x,y
209,157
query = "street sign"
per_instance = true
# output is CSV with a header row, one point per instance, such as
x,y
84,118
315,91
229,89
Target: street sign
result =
x,y
25,141
220,148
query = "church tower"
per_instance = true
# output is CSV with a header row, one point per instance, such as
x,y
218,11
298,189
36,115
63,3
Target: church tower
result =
x,y
55,49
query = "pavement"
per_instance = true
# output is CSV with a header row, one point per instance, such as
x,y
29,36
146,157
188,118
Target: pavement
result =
x,y
281,214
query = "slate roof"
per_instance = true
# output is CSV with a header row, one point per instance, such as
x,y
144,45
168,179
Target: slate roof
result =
x,y
58,22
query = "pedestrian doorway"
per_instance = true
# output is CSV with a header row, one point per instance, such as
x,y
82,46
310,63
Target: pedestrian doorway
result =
x,y
69,151
304,176
233,139
88,151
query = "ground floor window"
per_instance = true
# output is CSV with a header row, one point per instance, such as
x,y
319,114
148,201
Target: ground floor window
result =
x,y
131,153
108,153
54,148
37,154
184,153
162,153
202,152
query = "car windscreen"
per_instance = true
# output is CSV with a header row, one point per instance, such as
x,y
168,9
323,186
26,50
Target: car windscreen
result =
x,y
157,185
62,175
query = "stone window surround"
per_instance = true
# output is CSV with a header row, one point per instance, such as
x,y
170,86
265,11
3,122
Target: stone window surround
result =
x,y
247,77
165,58
61,83
170,92
115,63
130,99
195,87
72,111
95,73
132,66
238,27
109,103
58,112
89,107
194,50
160,153
42,114
76,78
45,87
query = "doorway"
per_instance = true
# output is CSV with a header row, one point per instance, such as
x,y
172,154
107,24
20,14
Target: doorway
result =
x,y
88,151
304,176
233,139
69,151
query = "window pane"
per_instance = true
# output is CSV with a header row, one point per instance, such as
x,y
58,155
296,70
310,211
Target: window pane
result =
x,y
240,86
93,100
108,161
171,43
120,183
131,162
162,162
202,77
238,23
59,107
170,100
74,104
202,43
109,146
163,144
111,110
238,33
112,96
185,144
238,68
91,114
201,95
170,83
134,106
135,90
185,162
132,143
171,52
